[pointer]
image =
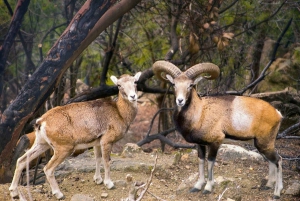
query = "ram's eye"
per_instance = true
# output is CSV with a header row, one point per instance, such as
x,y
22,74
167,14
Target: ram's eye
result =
x,y
191,85
119,86
135,82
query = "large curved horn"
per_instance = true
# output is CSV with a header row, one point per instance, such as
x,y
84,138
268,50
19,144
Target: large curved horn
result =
x,y
161,68
209,68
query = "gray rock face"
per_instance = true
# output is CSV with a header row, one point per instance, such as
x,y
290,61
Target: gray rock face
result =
x,y
293,189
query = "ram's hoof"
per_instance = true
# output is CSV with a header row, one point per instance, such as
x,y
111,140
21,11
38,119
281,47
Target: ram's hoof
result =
x,y
206,192
276,197
264,188
194,190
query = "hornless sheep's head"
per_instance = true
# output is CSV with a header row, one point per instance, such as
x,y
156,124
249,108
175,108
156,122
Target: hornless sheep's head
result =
x,y
183,82
127,86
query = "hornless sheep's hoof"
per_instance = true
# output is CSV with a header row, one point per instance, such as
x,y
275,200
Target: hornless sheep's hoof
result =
x,y
14,194
98,181
59,196
194,190
109,185
206,192
276,197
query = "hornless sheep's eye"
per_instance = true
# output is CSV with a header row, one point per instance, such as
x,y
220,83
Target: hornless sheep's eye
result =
x,y
119,86
135,82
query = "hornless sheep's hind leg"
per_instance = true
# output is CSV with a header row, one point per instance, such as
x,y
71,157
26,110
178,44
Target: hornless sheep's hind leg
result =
x,y
32,153
201,179
97,177
58,157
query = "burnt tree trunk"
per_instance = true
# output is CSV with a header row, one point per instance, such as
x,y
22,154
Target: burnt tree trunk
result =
x,y
87,24
21,9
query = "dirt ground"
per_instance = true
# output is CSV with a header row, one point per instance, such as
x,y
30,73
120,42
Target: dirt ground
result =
x,y
247,176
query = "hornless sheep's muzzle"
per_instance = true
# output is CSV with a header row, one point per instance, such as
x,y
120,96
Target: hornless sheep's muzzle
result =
x,y
132,97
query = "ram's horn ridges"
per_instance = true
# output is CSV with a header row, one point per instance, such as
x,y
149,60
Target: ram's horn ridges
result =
x,y
165,67
209,68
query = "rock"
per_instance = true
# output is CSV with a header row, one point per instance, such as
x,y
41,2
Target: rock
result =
x,y
231,152
80,197
129,149
187,183
104,195
120,183
293,189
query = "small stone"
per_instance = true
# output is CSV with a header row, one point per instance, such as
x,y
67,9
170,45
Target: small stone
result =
x,y
80,197
104,195
184,157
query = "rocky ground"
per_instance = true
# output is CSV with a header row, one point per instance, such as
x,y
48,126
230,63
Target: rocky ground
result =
x,y
239,175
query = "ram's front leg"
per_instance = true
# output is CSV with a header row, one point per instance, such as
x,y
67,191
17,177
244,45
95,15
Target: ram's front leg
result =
x,y
213,150
106,147
201,178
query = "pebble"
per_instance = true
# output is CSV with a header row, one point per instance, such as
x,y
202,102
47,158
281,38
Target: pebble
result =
x,y
104,195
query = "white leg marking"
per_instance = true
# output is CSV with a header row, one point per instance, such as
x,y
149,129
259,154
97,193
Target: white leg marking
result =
x,y
210,181
279,184
272,175
106,150
97,177
201,178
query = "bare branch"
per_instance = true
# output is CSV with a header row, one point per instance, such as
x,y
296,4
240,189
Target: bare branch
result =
x,y
263,74
263,21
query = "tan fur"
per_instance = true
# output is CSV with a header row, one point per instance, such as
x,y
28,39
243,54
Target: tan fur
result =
x,y
98,123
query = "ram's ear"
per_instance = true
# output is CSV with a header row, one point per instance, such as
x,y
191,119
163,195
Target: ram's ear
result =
x,y
197,80
170,78
114,79
137,76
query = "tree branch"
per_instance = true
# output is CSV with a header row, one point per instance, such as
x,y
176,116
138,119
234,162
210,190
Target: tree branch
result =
x,y
263,73
263,21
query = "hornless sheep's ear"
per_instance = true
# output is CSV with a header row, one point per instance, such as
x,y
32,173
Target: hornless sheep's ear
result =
x,y
170,78
114,79
197,80
137,76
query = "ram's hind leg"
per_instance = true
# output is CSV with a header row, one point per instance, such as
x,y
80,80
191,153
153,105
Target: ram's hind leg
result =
x,y
275,167
58,157
31,154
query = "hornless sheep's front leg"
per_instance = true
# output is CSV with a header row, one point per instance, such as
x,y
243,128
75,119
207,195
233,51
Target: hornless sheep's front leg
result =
x,y
97,177
201,179
213,150
106,150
